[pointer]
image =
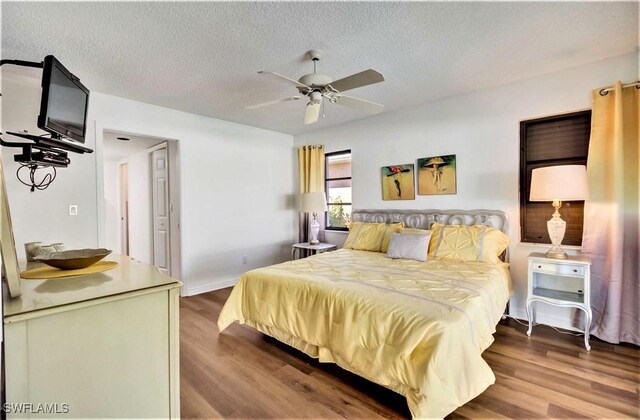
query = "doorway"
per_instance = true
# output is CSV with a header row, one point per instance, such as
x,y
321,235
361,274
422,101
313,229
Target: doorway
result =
x,y
124,209
142,199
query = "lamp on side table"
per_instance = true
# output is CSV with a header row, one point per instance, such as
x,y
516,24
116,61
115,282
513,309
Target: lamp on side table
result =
x,y
558,184
314,202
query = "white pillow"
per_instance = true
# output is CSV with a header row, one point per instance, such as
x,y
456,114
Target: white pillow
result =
x,y
410,247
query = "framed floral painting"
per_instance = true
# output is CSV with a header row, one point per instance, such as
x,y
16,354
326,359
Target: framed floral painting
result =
x,y
437,175
398,182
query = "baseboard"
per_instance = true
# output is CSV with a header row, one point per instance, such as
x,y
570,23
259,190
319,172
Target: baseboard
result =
x,y
210,287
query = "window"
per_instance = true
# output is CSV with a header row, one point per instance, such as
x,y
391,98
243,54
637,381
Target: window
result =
x,y
551,141
338,188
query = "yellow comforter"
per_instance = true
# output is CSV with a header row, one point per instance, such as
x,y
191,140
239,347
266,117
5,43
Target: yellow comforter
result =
x,y
417,328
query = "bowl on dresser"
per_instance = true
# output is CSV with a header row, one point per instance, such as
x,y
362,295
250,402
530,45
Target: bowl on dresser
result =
x,y
74,259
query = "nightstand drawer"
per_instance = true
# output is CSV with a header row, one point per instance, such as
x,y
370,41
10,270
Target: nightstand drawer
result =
x,y
558,269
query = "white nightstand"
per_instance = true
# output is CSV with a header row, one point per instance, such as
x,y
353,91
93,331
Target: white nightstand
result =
x,y
577,268
315,249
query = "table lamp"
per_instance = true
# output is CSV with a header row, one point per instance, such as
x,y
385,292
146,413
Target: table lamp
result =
x,y
558,184
314,202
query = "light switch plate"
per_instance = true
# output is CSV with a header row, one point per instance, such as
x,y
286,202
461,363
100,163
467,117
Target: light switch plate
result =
x,y
73,210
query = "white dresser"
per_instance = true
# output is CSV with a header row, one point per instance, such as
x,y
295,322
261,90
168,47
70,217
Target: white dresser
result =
x,y
102,345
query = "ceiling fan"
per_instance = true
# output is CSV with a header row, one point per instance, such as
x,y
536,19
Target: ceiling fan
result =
x,y
318,87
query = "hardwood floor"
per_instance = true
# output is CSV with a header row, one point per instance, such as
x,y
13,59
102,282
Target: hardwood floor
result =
x,y
243,373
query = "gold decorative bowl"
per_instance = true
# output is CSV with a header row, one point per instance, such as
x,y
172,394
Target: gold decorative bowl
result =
x,y
74,259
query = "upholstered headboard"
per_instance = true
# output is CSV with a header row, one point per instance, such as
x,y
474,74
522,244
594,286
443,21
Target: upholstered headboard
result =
x,y
423,219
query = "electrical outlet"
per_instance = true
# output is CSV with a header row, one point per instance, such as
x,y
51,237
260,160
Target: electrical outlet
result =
x,y
73,210
244,259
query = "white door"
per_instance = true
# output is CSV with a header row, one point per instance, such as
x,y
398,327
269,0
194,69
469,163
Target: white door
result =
x,y
124,208
160,197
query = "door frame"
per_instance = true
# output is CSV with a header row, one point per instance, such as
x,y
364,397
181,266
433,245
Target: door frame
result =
x,y
175,185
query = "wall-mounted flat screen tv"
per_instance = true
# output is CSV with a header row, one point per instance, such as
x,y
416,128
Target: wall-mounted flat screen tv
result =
x,y
63,108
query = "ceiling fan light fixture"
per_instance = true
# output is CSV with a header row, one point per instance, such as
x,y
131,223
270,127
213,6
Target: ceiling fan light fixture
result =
x,y
316,97
318,86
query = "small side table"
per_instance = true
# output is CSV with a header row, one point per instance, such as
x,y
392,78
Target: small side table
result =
x,y
574,267
315,249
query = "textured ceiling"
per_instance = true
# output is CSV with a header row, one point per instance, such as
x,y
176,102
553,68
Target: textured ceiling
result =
x,y
202,57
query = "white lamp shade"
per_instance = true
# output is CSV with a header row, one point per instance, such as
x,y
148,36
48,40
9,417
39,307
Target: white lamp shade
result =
x,y
561,183
314,202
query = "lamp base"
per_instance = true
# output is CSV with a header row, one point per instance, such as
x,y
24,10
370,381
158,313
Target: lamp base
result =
x,y
315,229
556,228
556,253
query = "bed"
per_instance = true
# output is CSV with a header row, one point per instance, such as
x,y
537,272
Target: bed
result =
x,y
417,328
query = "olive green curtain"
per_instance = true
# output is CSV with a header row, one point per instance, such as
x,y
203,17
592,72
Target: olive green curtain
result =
x,y
311,164
611,221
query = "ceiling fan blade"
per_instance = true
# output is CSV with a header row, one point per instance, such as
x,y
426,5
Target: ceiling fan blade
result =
x,y
277,101
285,78
364,78
360,104
312,113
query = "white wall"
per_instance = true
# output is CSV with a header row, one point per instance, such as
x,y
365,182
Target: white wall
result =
x,y
111,178
482,129
235,181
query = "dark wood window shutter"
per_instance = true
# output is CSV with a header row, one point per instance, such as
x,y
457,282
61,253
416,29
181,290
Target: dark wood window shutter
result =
x,y
557,140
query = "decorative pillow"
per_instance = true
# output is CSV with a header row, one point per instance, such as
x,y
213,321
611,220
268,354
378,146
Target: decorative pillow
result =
x,y
390,230
375,237
467,243
495,242
414,231
409,246
435,236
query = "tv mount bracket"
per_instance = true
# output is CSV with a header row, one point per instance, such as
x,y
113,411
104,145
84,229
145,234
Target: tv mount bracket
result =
x,y
40,155
23,63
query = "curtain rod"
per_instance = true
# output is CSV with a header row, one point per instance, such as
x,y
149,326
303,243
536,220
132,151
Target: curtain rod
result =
x,y
603,92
